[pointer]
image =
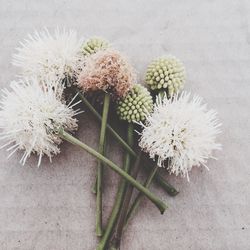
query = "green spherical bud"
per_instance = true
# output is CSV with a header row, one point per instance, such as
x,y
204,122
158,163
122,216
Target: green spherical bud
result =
x,y
138,102
93,45
167,74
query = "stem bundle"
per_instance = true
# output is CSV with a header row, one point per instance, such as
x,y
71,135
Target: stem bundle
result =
x,y
116,240
158,203
160,179
138,198
119,196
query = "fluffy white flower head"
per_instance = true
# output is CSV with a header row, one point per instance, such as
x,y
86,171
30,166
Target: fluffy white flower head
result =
x,y
44,54
30,115
181,132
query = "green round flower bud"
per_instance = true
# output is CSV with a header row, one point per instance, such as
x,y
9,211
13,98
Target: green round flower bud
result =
x,y
166,74
137,103
93,45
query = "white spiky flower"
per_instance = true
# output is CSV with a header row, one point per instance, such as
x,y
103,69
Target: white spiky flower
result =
x,y
45,54
30,114
181,133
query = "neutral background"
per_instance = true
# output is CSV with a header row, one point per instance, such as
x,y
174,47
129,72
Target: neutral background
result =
x,y
52,208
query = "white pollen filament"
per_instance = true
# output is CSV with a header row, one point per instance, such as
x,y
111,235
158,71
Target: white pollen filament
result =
x,y
30,114
180,133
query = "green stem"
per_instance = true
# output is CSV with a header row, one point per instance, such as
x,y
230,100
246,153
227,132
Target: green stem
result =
x,y
100,167
139,196
161,179
116,240
94,187
162,182
119,196
158,203
109,128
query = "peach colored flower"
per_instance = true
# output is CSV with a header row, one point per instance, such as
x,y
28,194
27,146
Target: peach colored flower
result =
x,y
106,70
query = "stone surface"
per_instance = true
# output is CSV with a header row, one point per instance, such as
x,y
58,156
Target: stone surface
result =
x,y
52,208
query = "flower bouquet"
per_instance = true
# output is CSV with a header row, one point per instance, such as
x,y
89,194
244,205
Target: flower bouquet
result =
x,y
61,75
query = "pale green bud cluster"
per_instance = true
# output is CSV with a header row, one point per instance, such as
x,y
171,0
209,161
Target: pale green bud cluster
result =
x,y
166,74
93,45
136,105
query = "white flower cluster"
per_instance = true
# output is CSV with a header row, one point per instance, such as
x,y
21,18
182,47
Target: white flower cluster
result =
x,y
181,133
30,114
45,55
34,109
